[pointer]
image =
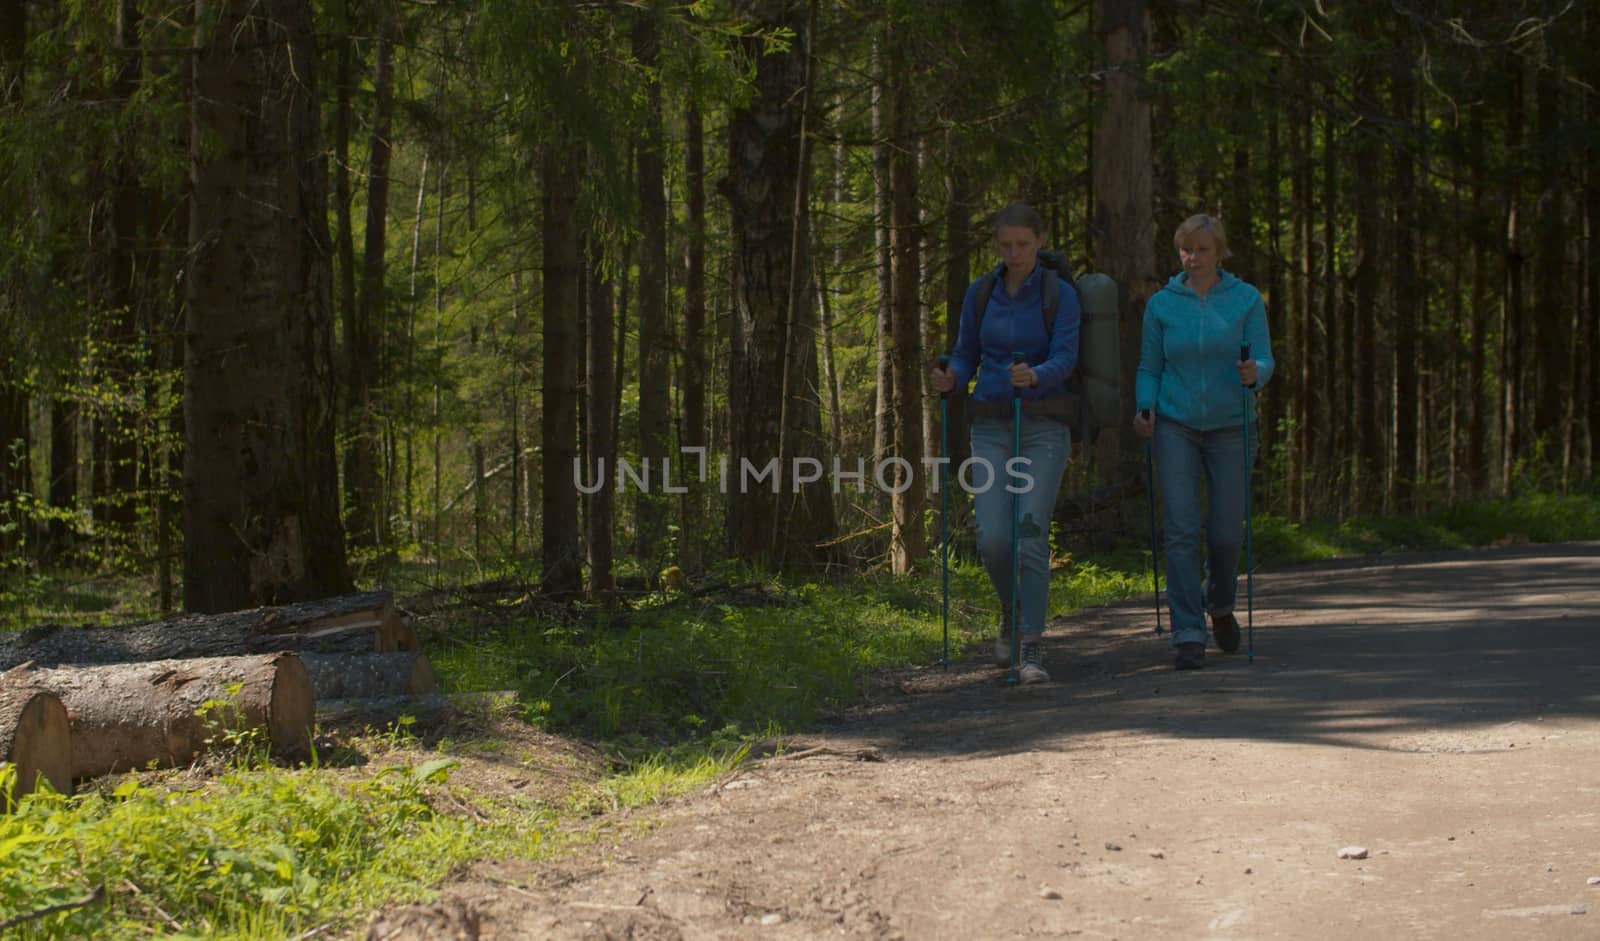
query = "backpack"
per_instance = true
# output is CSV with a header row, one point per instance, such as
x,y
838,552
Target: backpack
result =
x,y
1091,399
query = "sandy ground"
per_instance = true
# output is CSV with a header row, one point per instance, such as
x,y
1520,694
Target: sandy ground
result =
x,y
1441,711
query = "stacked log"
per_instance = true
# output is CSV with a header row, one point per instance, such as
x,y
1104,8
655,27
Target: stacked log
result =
x,y
363,622
75,702
34,738
126,716
369,675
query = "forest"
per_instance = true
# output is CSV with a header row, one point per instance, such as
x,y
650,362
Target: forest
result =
x,y
296,290
561,346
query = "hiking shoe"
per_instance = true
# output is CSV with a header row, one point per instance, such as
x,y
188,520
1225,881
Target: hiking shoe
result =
x,y
1191,656
1002,644
1032,664
1225,628
1002,650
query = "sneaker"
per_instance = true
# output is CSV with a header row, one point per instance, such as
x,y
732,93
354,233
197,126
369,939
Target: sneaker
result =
x,y
1032,664
1225,628
1191,656
1002,644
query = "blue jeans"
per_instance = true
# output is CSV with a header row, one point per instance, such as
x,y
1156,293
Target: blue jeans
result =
x,y
1046,444
1184,457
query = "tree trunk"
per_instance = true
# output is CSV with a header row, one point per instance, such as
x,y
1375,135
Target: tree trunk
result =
x,y
562,569
1589,389
695,375
1328,411
883,411
765,158
1511,326
1296,362
261,518
909,542
599,416
369,675
14,426
362,622
127,716
1367,437
1124,215
363,346
655,363
958,240
117,427
35,736
1553,339
1480,228
1409,296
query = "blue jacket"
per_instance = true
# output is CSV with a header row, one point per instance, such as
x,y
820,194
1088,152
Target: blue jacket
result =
x,y
1188,368
1016,324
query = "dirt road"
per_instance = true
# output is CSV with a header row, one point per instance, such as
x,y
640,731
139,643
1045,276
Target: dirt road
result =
x,y
1441,711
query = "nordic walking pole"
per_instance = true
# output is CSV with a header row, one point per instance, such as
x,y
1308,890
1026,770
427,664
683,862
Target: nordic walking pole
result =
x,y
1249,566
1150,488
944,509
1016,533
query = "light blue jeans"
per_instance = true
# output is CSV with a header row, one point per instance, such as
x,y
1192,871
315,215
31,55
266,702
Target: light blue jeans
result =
x,y
1046,444
1185,457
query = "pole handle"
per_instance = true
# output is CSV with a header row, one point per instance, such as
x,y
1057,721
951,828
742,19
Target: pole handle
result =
x,y
1016,391
944,366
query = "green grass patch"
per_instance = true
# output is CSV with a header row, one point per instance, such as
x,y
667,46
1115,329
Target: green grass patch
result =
x,y
1528,518
256,853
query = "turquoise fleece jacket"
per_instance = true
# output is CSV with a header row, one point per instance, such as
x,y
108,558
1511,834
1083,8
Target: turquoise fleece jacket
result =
x,y
1188,368
1016,324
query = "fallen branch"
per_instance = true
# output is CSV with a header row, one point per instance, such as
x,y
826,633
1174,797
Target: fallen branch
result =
x,y
93,897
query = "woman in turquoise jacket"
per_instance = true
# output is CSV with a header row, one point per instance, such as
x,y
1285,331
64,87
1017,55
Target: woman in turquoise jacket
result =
x,y
1190,399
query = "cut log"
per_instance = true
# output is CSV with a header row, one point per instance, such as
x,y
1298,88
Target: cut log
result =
x,y
34,737
130,715
369,675
364,622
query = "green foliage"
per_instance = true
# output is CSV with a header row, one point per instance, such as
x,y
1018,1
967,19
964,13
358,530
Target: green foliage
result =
x,y
1529,518
258,853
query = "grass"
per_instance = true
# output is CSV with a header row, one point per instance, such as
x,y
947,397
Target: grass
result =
x,y
674,688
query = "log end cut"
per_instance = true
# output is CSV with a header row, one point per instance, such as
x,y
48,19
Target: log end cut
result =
x,y
292,709
35,737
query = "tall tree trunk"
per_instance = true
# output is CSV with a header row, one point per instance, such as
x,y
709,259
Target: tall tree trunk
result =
x,y
1589,389
1409,296
364,347
1553,339
1328,411
765,161
1124,215
599,417
1297,363
655,362
694,282
1480,230
562,569
1366,432
117,424
1511,326
909,545
14,426
958,240
261,515
883,413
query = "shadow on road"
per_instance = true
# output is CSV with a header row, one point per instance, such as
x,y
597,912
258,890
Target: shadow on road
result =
x,y
1424,652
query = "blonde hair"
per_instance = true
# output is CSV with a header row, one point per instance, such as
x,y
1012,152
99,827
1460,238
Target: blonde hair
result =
x,y
1202,224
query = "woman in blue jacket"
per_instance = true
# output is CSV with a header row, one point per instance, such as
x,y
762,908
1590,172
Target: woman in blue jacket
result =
x,y
1014,321
1189,398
